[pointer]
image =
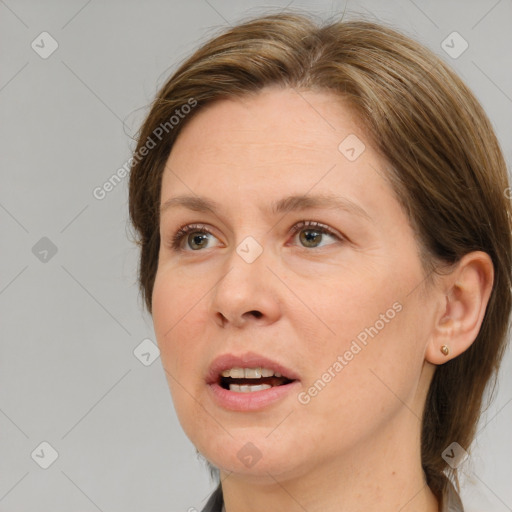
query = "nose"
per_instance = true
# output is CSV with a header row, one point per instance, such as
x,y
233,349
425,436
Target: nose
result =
x,y
247,293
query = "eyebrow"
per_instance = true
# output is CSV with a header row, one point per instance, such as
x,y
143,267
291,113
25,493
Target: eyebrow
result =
x,y
282,206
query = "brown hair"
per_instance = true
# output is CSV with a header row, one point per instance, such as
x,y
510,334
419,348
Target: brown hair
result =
x,y
443,157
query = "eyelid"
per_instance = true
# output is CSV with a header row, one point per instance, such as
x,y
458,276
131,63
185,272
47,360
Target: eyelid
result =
x,y
314,224
183,231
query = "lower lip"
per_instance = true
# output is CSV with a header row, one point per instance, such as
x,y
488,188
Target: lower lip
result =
x,y
253,401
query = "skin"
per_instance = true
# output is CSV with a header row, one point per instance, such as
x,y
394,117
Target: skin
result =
x,y
356,444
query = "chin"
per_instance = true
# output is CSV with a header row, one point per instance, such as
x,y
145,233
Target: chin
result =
x,y
253,454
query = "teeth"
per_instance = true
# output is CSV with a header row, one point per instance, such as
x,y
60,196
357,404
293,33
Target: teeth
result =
x,y
252,373
249,373
236,373
248,388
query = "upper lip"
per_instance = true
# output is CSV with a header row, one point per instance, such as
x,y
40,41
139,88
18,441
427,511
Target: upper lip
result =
x,y
246,360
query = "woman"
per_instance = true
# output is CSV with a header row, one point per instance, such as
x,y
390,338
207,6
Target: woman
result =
x,y
326,254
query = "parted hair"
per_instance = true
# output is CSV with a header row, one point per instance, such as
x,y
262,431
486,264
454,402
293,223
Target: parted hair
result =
x,y
441,156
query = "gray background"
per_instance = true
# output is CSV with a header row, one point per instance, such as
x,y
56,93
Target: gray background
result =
x,y
70,321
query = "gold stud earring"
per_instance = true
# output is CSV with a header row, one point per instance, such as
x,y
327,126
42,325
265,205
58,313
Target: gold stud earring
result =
x,y
445,350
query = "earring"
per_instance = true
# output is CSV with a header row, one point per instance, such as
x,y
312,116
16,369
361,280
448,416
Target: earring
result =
x,y
445,350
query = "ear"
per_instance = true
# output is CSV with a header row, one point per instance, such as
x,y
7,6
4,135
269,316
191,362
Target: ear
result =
x,y
465,292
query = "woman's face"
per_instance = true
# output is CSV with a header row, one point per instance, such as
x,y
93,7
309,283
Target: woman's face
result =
x,y
332,294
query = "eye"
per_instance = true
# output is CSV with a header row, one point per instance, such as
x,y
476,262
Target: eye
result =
x,y
311,233
194,234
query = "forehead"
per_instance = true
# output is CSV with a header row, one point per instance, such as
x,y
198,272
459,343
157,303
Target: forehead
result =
x,y
282,134
276,118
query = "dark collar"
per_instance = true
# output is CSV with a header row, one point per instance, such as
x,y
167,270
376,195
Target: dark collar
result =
x,y
215,502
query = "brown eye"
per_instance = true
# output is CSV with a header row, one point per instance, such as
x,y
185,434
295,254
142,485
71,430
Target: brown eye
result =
x,y
312,233
196,237
310,237
196,240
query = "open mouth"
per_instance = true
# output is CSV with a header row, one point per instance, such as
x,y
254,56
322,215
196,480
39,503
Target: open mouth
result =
x,y
251,385
249,380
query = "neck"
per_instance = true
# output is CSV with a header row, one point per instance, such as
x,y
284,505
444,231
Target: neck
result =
x,y
380,474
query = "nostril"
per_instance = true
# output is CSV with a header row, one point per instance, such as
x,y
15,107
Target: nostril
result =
x,y
257,314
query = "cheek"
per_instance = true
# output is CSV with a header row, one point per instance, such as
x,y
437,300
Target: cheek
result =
x,y
372,368
178,322
372,347
348,301
178,326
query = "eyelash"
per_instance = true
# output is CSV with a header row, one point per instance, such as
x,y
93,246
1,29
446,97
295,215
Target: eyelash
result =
x,y
303,224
